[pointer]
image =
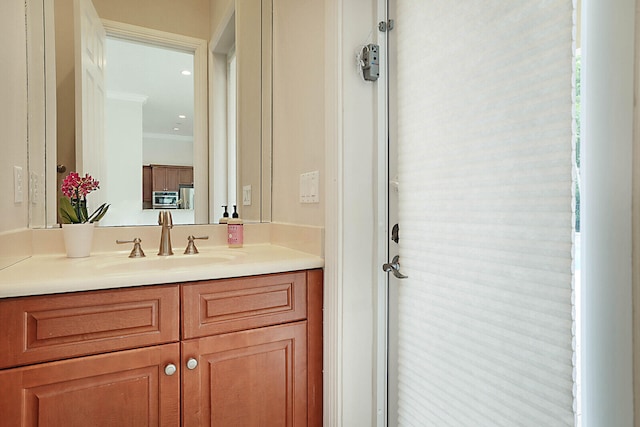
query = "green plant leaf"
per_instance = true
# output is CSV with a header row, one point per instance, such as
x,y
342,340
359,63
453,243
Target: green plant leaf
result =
x,y
84,215
99,213
68,212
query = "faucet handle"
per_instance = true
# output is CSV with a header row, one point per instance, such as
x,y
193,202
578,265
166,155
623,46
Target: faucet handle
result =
x,y
137,251
191,246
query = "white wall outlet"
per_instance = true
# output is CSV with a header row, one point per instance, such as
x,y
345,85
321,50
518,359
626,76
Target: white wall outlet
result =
x,y
246,195
309,187
17,184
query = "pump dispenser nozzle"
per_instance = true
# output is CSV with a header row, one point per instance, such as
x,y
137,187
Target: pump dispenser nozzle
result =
x,y
235,212
225,216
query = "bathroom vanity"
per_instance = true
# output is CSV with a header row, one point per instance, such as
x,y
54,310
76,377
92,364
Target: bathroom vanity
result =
x,y
223,350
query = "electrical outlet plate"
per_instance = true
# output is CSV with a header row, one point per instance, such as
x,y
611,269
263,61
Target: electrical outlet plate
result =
x,y
17,184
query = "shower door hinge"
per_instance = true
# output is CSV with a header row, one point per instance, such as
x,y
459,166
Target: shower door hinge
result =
x,y
385,25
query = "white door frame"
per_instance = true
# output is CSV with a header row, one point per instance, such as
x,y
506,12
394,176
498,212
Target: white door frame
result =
x,y
355,221
381,191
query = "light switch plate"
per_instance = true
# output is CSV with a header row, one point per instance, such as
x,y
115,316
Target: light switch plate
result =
x,y
309,187
246,195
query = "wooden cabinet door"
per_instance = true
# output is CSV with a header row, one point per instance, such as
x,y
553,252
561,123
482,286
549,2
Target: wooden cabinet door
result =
x,y
249,378
125,388
147,185
173,178
169,178
159,178
186,175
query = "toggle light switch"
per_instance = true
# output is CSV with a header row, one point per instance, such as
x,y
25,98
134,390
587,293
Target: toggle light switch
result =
x,y
246,195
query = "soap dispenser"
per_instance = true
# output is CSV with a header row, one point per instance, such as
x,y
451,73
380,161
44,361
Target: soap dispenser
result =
x,y
235,230
225,216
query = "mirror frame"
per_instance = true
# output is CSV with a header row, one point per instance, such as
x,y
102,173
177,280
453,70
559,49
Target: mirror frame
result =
x,y
42,116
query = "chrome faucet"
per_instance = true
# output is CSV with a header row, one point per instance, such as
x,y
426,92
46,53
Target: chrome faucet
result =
x,y
165,220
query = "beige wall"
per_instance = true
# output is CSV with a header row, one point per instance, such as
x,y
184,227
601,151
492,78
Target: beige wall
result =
x,y
217,10
298,103
186,17
13,113
298,107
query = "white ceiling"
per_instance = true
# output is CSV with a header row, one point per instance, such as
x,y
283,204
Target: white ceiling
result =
x,y
134,69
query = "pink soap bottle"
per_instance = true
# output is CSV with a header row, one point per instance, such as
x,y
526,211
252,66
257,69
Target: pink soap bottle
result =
x,y
235,230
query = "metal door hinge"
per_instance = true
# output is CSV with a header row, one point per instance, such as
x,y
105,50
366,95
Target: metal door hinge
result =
x,y
386,25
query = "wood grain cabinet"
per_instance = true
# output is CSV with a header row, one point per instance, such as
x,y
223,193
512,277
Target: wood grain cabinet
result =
x,y
166,177
233,352
147,188
256,348
124,388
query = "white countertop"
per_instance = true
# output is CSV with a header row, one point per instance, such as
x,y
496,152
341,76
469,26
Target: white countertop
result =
x,y
49,274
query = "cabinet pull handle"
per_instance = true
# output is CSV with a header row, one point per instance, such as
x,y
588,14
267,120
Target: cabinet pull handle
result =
x,y
170,369
192,363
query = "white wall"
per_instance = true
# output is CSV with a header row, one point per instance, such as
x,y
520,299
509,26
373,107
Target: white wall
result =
x,y
13,113
167,150
123,161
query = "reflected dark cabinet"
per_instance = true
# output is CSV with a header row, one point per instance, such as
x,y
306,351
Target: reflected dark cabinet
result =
x,y
163,178
147,190
185,176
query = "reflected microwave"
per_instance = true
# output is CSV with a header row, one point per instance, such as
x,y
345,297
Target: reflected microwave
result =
x,y
165,200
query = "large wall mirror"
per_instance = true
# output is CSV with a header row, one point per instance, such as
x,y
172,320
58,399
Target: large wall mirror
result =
x,y
167,109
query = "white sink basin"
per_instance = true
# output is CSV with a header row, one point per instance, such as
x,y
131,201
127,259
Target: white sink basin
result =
x,y
173,262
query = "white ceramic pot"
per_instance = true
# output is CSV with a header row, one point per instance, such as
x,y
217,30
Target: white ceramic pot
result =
x,y
78,239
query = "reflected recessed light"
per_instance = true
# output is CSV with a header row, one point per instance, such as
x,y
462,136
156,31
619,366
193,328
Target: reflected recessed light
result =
x,y
186,72
182,116
176,128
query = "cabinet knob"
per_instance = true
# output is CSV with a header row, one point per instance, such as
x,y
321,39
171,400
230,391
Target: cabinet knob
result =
x,y
192,363
170,369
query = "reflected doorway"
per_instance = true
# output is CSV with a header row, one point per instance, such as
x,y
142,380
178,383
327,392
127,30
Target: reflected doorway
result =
x,y
149,109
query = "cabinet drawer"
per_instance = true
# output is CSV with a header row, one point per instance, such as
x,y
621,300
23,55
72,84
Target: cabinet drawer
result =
x,y
221,306
44,328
